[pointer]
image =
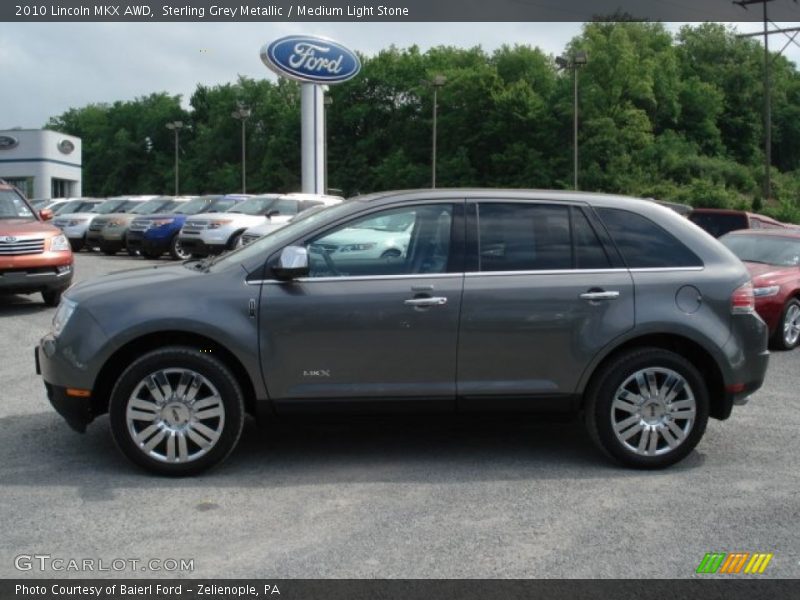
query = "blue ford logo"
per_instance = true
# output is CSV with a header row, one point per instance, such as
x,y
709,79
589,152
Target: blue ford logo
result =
x,y
311,59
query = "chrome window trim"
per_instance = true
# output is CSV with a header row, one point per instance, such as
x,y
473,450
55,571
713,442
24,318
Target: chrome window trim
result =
x,y
664,269
360,278
473,274
545,272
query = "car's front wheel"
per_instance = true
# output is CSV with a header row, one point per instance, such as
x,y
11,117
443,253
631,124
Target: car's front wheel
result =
x,y
176,411
787,336
647,408
177,251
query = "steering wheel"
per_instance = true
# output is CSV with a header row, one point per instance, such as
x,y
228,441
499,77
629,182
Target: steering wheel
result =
x,y
326,256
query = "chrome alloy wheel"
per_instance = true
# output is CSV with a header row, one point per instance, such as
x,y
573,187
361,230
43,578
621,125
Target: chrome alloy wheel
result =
x,y
175,415
653,411
791,326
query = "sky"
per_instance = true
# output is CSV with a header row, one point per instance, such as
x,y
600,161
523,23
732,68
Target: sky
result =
x,y
49,68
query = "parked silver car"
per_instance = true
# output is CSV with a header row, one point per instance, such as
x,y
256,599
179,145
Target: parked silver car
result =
x,y
616,308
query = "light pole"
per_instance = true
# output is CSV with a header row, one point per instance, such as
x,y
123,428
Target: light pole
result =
x,y
579,59
242,114
176,126
437,82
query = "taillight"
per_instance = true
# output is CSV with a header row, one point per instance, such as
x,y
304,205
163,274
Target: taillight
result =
x,y
742,300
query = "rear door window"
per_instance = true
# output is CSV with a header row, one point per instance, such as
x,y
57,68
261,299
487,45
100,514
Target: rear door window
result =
x,y
523,237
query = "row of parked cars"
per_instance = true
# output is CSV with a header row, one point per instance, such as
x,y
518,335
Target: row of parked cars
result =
x,y
182,227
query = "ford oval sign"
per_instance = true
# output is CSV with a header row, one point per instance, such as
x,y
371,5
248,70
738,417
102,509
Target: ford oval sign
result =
x,y
311,59
7,142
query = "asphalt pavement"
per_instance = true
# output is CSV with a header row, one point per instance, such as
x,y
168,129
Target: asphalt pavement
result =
x,y
508,497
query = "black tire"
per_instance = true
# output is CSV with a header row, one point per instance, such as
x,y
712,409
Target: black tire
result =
x,y
132,252
108,249
654,417
781,339
176,251
233,243
52,297
151,255
76,245
391,254
173,360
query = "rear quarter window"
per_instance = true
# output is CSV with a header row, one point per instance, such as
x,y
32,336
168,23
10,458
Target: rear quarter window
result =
x,y
643,243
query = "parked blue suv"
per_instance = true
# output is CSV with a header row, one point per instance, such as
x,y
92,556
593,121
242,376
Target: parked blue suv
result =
x,y
154,235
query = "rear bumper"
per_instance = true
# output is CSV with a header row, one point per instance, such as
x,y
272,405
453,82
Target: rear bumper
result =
x,y
748,359
77,412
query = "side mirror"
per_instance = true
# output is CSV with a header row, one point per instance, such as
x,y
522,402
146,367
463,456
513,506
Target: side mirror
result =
x,y
292,263
273,212
46,214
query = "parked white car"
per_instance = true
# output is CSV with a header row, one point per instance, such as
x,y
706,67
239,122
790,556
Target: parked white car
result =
x,y
213,233
267,227
383,237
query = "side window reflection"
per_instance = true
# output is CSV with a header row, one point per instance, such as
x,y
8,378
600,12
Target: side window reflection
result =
x,y
400,241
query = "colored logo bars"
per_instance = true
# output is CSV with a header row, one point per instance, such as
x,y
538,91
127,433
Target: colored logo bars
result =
x,y
734,563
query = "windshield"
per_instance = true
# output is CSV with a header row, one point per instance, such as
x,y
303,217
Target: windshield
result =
x,y
192,207
109,206
151,206
282,235
222,205
255,206
13,207
768,249
68,207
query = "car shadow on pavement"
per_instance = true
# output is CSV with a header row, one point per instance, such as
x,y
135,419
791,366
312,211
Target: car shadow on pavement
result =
x,y
40,449
14,306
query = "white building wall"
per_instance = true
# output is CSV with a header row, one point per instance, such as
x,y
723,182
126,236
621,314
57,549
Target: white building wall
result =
x,y
42,155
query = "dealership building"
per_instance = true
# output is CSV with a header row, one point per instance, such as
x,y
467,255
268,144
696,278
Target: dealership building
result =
x,y
41,163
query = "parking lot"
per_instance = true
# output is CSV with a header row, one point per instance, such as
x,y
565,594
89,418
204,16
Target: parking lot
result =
x,y
515,497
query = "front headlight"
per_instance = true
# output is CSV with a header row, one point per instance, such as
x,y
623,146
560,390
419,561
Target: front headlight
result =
x,y
160,222
765,292
356,247
59,243
64,312
218,224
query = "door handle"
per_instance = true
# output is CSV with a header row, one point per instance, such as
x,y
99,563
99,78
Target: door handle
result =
x,y
600,295
422,302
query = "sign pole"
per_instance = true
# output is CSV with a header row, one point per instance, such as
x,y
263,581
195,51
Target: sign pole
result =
x,y
312,125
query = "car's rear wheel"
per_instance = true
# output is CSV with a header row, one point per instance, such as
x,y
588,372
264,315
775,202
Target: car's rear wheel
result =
x,y
647,408
51,297
176,250
787,335
176,411
76,244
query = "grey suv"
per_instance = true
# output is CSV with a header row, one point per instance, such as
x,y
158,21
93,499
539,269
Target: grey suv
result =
x,y
612,307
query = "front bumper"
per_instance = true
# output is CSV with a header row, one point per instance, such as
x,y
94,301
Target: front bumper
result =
x,y
77,412
27,280
137,240
198,247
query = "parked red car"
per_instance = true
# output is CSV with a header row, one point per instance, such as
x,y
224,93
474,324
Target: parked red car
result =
x,y
773,259
719,221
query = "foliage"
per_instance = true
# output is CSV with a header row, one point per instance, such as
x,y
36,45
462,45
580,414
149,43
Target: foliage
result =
x,y
676,117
